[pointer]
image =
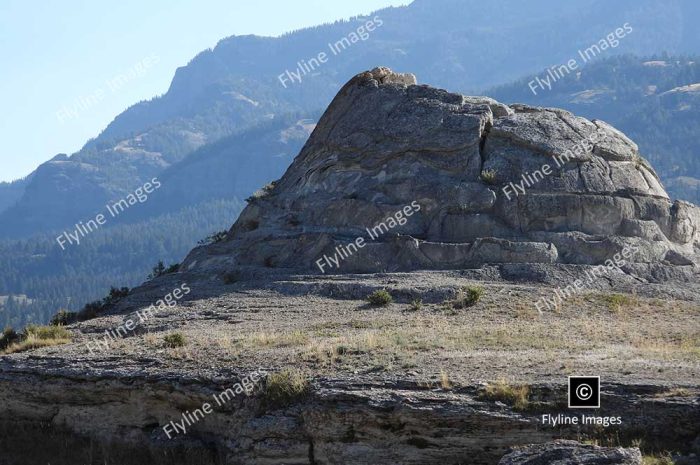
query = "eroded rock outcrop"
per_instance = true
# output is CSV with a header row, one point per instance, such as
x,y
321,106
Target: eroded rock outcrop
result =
x,y
488,183
572,453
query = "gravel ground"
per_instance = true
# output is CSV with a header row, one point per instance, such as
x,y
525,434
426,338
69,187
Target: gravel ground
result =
x,y
324,327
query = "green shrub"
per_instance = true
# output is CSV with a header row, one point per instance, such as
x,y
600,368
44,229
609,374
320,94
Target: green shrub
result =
x,y
8,337
90,310
416,304
467,296
174,340
93,309
160,269
262,193
214,238
63,317
380,298
661,459
489,176
115,295
231,277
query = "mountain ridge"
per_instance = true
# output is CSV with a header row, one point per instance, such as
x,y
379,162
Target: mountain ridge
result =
x,y
200,105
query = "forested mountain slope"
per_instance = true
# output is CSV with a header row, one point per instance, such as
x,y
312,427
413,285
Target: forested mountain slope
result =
x,y
654,100
463,45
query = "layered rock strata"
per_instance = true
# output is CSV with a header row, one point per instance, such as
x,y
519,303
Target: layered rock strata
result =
x,y
483,182
573,453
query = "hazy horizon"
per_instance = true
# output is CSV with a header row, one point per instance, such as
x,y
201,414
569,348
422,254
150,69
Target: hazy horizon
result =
x,y
69,58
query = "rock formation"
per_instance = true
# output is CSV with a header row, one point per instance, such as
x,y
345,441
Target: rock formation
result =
x,y
428,180
489,183
571,453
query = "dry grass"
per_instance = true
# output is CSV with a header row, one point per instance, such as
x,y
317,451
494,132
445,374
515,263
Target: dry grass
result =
x,y
151,339
417,332
663,459
675,392
616,302
285,387
340,336
515,395
35,337
257,340
682,346
224,341
275,339
445,382
525,312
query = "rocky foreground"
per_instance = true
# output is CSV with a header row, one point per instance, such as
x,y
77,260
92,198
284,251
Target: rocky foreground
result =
x,y
402,383
445,336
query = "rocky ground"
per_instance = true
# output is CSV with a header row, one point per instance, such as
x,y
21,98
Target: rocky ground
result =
x,y
325,326
417,370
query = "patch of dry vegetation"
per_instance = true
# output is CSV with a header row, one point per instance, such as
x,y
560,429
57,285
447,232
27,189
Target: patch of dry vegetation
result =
x,y
275,339
34,337
618,302
340,336
674,392
445,382
516,395
662,459
285,387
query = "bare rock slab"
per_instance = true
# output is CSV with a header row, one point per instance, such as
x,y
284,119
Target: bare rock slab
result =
x,y
571,453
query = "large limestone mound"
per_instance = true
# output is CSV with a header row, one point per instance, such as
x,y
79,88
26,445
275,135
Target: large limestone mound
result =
x,y
436,180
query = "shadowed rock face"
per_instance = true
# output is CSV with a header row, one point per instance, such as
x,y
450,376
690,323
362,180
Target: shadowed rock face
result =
x,y
455,182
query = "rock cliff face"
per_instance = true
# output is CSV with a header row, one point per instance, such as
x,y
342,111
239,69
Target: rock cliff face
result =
x,y
435,180
117,420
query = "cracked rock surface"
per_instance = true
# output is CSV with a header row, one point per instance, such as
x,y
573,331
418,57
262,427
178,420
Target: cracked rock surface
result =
x,y
494,184
572,453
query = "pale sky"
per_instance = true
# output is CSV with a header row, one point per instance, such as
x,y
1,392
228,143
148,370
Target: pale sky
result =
x,y
60,54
